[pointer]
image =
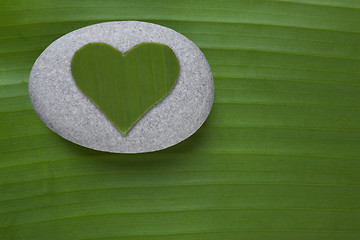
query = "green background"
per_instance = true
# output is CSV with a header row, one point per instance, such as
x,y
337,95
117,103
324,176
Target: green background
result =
x,y
278,157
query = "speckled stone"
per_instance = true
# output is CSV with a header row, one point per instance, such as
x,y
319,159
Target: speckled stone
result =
x,y
62,106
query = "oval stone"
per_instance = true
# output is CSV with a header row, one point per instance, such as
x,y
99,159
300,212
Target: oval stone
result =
x,y
63,107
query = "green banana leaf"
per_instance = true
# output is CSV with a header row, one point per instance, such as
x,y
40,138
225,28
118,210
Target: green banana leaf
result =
x,y
278,157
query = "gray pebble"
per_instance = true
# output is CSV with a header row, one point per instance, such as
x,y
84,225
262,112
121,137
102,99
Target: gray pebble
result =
x,y
63,108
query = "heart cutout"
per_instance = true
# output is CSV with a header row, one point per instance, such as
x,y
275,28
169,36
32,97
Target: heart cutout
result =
x,y
125,86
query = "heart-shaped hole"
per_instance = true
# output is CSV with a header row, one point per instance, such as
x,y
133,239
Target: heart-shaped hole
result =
x,y
125,86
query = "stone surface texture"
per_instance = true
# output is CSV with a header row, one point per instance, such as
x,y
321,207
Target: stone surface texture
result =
x,y
62,106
